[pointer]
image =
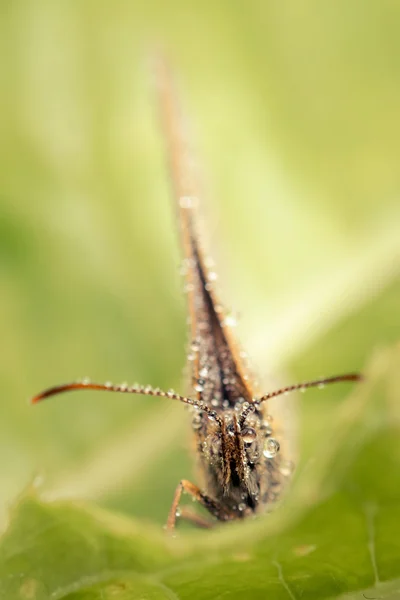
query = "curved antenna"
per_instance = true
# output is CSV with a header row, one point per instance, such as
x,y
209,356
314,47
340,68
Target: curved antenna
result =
x,y
309,384
124,388
298,386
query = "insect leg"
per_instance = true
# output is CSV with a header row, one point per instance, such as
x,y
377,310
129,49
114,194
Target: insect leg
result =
x,y
193,517
211,505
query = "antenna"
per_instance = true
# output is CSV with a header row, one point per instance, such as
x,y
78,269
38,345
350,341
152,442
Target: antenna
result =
x,y
124,388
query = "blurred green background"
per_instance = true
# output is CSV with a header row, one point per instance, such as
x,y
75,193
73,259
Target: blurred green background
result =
x,y
295,110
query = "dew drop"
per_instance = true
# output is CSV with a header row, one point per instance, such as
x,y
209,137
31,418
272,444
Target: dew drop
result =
x,y
178,512
212,276
191,356
108,384
241,506
267,430
203,372
187,201
197,422
286,468
230,321
214,402
86,381
195,346
271,448
249,435
198,387
189,263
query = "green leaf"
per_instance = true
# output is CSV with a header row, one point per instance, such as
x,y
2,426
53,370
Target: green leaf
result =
x,y
338,531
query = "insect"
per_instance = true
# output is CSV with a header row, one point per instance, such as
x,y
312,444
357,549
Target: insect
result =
x,y
238,456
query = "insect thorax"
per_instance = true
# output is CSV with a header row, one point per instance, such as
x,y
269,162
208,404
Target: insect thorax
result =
x,y
240,463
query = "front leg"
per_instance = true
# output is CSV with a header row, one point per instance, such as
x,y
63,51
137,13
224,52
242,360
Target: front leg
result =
x,y
211,505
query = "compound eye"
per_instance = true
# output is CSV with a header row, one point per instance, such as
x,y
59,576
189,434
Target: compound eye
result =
x,y
248,435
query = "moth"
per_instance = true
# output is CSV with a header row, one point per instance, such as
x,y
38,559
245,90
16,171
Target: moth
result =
x,y
238,455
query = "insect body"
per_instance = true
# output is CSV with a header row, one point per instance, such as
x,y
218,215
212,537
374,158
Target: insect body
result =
x,y
238,456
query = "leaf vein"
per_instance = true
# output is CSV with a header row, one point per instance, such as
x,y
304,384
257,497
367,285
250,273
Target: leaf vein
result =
x,y
283,580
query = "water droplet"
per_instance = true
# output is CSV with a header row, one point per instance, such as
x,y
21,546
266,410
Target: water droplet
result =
x,y
195,346
108,384
225,403
189,262
123,386
241,506
230,321
212,276
170,393
148,389
86,381
191,357
178,512
203,372
198,387
248,435
208,287
267,430
197,422
271,448
215,402
188,201
286,468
